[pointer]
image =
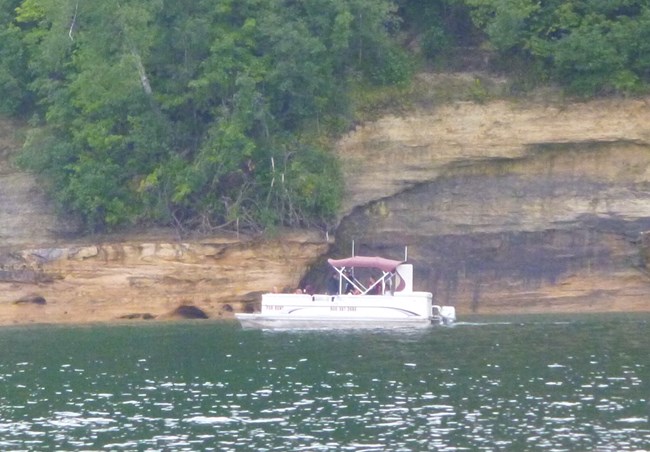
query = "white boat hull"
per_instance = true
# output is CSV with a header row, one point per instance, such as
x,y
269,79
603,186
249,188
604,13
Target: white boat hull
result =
x,y
414,309
282,322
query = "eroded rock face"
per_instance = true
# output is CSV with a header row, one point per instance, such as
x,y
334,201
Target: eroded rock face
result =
x,y
122,280
504,207
149,276
508,207
386,157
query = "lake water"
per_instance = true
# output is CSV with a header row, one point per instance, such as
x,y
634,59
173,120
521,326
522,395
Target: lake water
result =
x,y
523,383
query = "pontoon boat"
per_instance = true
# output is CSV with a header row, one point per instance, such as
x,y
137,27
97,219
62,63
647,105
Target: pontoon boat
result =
x,y
386,299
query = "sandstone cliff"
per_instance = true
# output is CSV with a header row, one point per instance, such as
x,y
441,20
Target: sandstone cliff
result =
x,y
508,206
504,206
25,213
47,274
149,277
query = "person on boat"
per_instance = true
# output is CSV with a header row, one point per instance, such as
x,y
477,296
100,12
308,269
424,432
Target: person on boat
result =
x,y
349,277
333,284
376,290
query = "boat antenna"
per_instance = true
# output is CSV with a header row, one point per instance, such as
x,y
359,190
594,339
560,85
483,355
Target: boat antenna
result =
x,y
406,253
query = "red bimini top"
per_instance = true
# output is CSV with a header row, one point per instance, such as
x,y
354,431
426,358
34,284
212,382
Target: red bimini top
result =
x,y
387,265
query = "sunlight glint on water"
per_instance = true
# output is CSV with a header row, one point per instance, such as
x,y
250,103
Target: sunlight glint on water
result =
x,y
553,383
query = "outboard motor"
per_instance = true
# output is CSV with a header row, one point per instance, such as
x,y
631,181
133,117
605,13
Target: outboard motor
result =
x,y
445,315
448,314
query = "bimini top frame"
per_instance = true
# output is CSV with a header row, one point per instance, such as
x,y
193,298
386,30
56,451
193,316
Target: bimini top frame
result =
x,y
345,269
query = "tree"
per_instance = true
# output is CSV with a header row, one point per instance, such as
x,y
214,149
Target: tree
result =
x,y
589,47
90,77
14,90
202,113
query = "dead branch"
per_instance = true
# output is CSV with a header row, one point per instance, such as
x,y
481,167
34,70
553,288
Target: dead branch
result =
x,y
74,21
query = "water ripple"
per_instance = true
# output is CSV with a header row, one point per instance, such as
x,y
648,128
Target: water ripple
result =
x,y
545,386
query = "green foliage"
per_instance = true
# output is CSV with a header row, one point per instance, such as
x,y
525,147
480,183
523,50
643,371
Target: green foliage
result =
x,y
591,48
195,113
391,67
478,92
435,42
206,114
438,28
586,60
14,93
313,175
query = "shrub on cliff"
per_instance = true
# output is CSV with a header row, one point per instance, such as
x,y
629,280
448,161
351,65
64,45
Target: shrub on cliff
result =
x,y
204,114
589,47
199,114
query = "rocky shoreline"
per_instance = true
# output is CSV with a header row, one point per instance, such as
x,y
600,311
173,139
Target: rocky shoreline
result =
x,y
210,279
149,280
508,206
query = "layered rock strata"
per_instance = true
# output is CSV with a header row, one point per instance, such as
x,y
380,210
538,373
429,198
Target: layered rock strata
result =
x,y
504,207
150,280
508,207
